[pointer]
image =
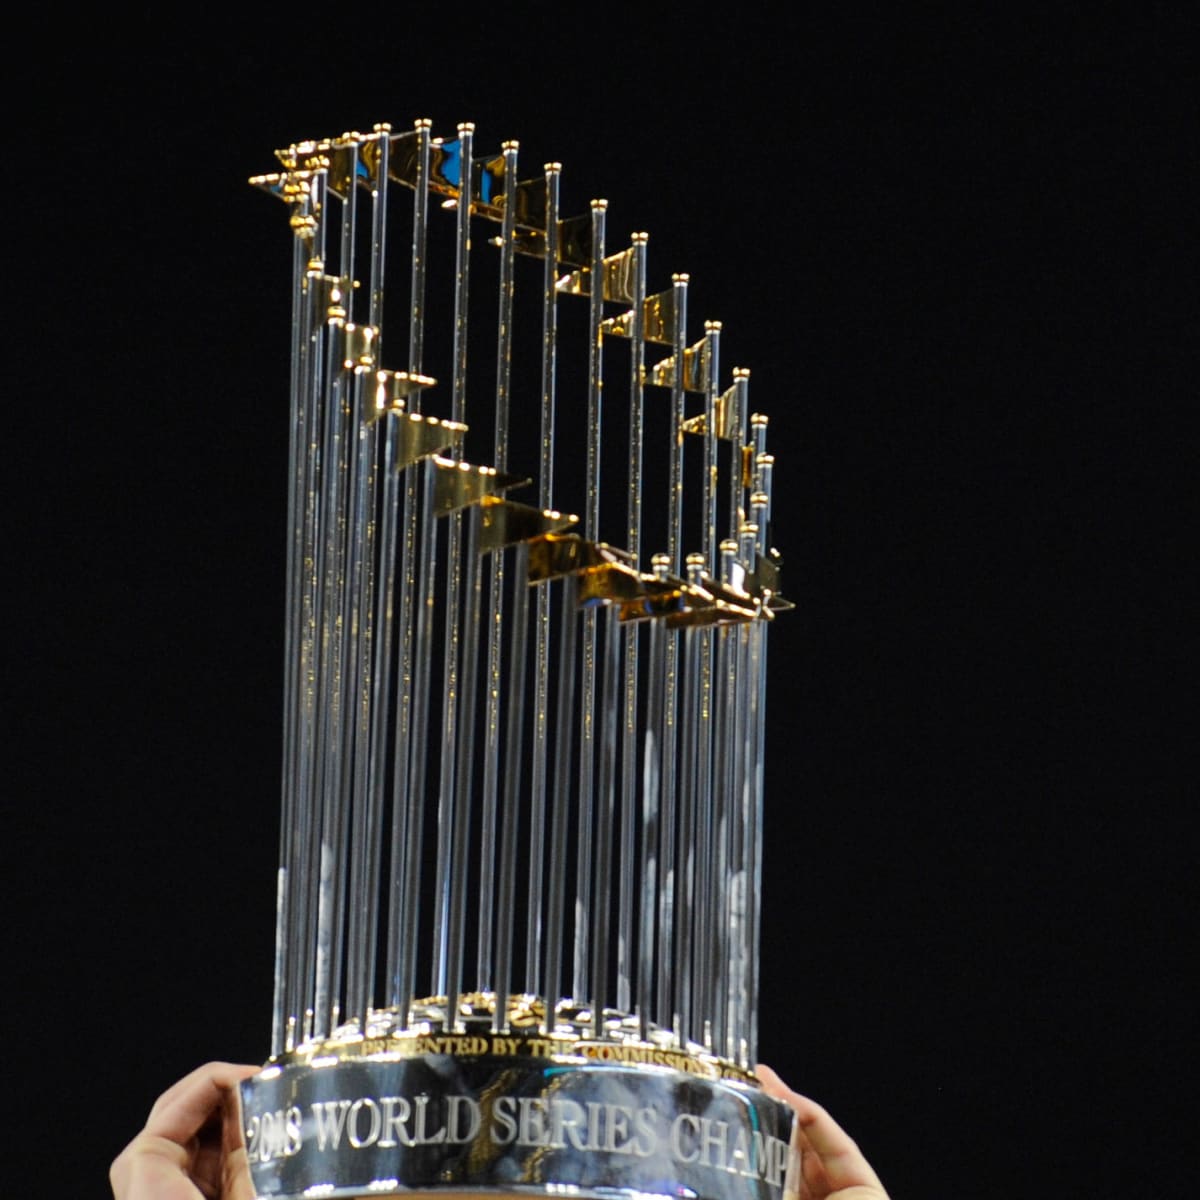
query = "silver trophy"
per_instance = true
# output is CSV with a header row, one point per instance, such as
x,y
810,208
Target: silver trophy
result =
x,y
518,893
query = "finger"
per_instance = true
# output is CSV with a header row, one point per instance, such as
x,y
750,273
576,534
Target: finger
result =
x,y
220,1070
236,1183
217,1069
183,1109
841,1160
805,1183
151,1166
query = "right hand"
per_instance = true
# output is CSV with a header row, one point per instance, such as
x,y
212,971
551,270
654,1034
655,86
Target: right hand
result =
x,y
831,1165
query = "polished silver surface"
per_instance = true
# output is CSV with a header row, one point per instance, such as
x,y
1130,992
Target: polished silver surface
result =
x,y
488,1113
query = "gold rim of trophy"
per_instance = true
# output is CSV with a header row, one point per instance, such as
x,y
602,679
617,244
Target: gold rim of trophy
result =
x,y
572,1041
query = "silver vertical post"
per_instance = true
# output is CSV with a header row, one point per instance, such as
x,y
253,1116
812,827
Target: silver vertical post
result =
x,y
629,719
462,267
758,654
472,584
675,481
760,505
339,484
666,714
591,529
637,354
707,949
737,484
726,813
377,687
666,867
688,832
538,781
325,801
348,549
712,338
495,610
746,710
700,803
447,798
364,840
651,784
414,819
398,974
610,695
308,835
361,632
565,701
513,779
286,934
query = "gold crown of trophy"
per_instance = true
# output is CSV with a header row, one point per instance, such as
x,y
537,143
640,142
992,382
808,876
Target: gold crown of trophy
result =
x,y
521,837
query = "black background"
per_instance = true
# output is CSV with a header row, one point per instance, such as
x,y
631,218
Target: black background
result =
x,y
949,250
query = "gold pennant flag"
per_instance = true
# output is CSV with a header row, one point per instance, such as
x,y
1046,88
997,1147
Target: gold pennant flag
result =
x,y
725,413
618,278
420,437
659,315
507,522
695,369
458,485
404,158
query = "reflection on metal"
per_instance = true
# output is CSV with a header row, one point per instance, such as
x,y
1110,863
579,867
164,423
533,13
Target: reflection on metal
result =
x,y
506,523
522,765
458,485
393,386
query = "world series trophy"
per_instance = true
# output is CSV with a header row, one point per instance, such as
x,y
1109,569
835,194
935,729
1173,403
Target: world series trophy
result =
x,y
520,858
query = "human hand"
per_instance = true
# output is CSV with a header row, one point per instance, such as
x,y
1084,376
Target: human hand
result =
x,y
831,1165
192,1146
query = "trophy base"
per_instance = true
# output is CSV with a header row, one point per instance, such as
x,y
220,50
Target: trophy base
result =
x,y
524,1112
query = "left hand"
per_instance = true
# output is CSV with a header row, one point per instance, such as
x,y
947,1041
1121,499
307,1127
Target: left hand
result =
x,y
192,1146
